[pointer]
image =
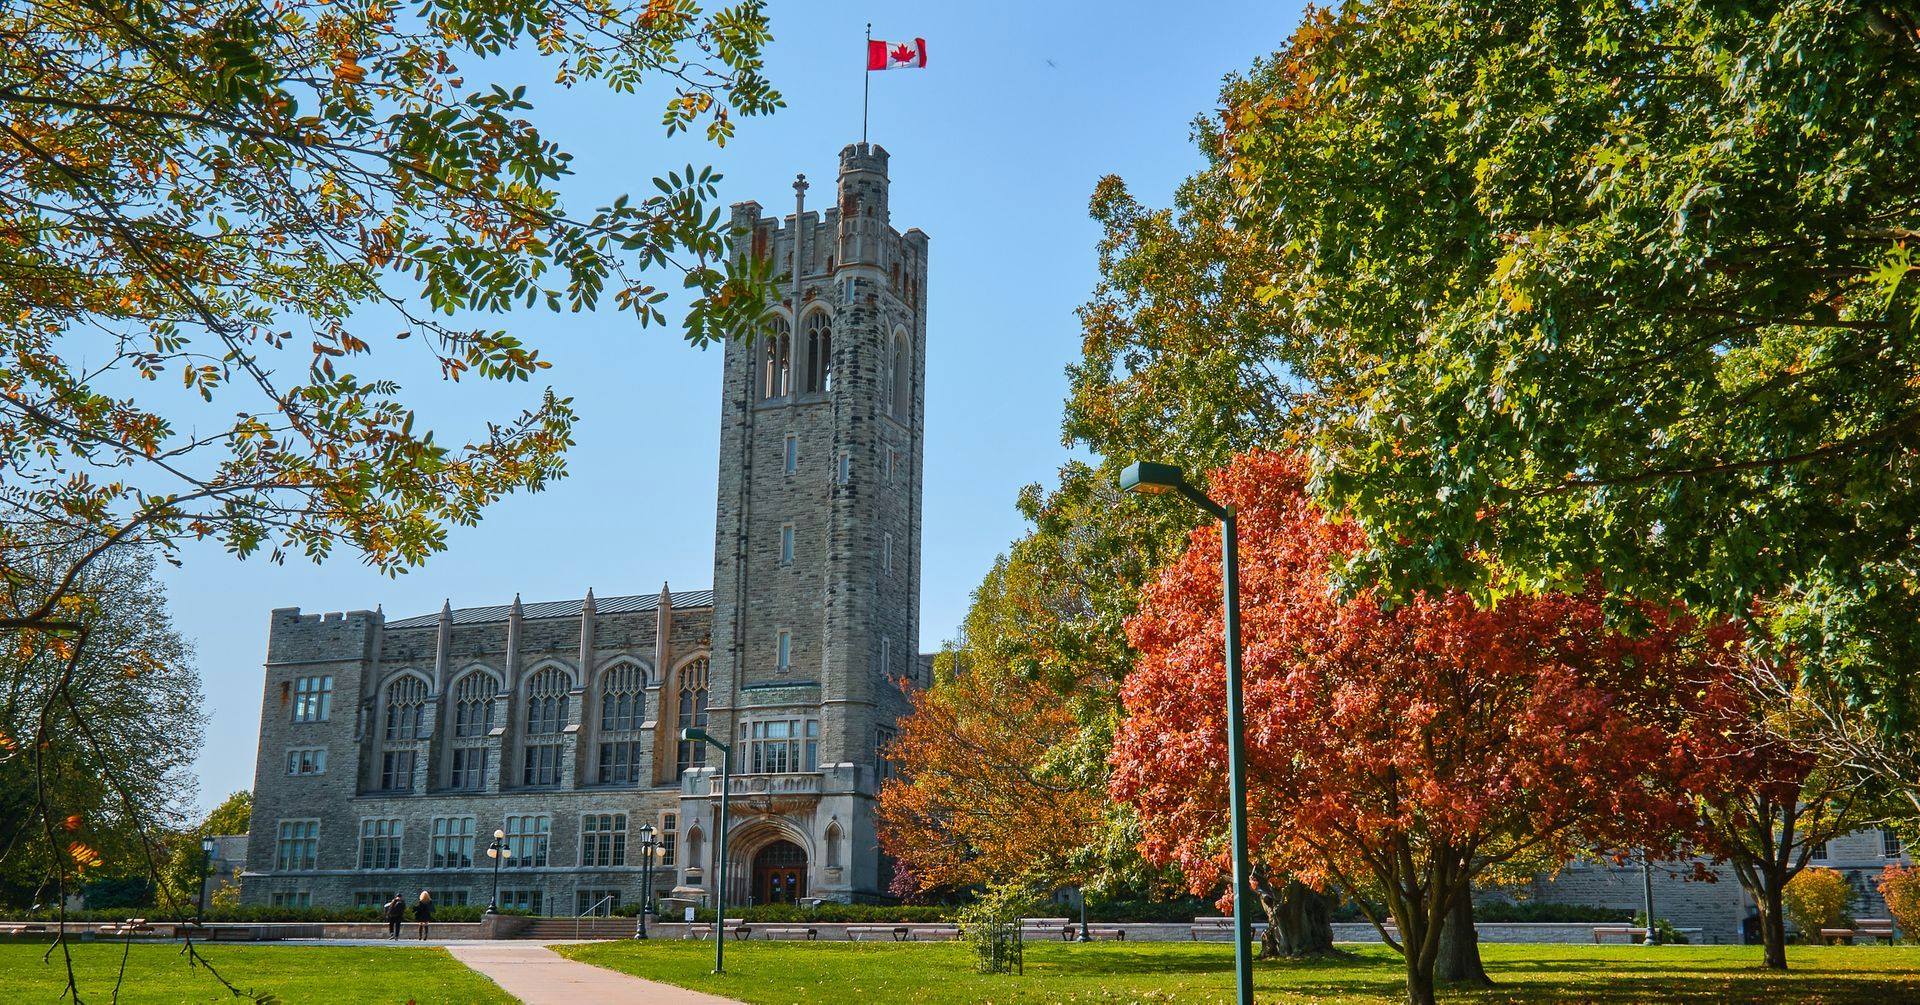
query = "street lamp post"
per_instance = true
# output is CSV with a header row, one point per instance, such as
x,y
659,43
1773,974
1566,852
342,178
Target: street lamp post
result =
x,y
698,735
498,851
646,879
1153,479
206,871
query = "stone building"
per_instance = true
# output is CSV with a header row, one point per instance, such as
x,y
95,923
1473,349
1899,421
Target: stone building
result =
x,y
1720,909
391,751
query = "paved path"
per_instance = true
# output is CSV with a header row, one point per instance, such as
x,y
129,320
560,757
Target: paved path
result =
x,y
539,976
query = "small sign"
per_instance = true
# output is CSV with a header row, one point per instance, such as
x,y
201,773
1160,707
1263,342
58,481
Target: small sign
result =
x,y
689,915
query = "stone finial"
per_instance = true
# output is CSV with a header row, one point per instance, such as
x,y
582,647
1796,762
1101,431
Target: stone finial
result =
x,y
586,637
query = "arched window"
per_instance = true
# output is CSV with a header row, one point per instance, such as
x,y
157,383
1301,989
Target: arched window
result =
x,y
623,708
623,698
473,704
776,363
819,352
406,699
693,712
547,701
901,386
546,717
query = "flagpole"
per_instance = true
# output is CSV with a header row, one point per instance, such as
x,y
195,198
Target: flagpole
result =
x,y
866,84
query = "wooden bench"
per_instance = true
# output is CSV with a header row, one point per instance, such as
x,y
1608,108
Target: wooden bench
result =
x,y
1863,929
1109,934
22,928
1034,928
1600,932
735,927
932,932
131,926
809,934
856,933
1222,927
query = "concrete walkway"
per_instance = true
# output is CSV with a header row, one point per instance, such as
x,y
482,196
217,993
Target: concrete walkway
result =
x,y
539,976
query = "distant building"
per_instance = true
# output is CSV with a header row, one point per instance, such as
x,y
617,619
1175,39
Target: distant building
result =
x,y
392,751
1719,909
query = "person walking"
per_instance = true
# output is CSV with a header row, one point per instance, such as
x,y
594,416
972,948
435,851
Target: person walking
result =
x,y
423,912
396,915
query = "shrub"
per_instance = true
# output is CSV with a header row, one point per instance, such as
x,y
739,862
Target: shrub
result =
x,y
991,926
1900,886
1816,899
1536,912
829,913
1664,934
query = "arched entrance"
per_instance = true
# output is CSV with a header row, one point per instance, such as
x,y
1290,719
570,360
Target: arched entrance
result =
x,y
779,874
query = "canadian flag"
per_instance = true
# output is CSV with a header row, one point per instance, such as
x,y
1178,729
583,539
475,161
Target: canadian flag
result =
x,y
896,55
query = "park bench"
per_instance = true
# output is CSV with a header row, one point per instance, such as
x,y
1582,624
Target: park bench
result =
x,y
735,926
1033,928
1110,934
22,928
131,926
1863,929
1601,932
932,932
1223,927
809,934
229,933
897,933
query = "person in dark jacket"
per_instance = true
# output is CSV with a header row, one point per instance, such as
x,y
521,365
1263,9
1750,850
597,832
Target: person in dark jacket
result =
x,y
396,914
423,912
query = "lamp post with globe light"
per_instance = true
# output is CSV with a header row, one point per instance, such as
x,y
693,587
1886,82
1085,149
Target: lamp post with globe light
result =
x,y
499,852
646,879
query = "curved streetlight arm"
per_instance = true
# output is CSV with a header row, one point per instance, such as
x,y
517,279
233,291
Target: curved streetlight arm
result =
x,y
1153,478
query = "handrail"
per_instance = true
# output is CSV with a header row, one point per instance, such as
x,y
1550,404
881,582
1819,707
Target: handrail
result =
x,y
580,920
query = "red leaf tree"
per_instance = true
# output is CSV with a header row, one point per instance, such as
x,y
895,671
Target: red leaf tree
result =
x,y
1395,754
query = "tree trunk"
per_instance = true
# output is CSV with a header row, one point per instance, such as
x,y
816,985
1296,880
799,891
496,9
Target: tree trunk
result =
x,y
1419,980
1459,960
1773,926
1304,921
1299,922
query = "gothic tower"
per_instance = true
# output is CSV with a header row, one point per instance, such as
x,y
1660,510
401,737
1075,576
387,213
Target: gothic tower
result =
x,y
817,550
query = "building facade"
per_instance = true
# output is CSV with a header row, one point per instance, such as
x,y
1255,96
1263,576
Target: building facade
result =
x,y
392,752
1721,909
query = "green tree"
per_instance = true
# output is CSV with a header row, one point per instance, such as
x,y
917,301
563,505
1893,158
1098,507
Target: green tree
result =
x,y
181,877
97,735
255,200
1613,286
1183,363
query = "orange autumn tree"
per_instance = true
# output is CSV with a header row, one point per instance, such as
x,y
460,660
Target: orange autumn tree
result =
x,y
1395,754
992,789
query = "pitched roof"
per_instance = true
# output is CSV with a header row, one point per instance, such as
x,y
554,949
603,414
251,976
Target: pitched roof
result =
x,y
497,613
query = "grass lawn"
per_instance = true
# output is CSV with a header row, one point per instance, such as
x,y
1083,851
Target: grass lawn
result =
x,y
778,973
157,972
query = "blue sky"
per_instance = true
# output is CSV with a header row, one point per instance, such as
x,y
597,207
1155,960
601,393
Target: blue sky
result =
x,y
995,146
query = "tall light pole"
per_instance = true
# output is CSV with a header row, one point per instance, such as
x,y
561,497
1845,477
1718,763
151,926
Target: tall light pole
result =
x,y
499,852
699,735
646,879
1155,479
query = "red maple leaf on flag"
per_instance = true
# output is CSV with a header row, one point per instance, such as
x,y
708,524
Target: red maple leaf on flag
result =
x,y
901,53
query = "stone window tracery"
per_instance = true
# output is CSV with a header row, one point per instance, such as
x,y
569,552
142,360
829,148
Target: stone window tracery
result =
x,y
692,695
406,701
